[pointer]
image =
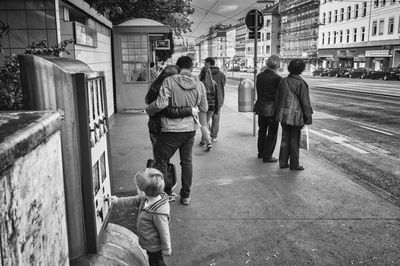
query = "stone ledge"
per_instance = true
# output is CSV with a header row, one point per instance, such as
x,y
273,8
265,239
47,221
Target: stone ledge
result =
x,y
119,246
21,132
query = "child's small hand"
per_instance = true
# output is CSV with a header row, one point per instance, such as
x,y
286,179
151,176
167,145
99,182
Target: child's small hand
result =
x,y
112,199
166,252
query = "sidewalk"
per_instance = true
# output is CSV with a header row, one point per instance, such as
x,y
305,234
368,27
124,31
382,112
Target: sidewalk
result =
x,y
245,212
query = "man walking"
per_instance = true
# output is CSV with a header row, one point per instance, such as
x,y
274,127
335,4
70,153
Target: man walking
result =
x,y
178,133
267,85
220,79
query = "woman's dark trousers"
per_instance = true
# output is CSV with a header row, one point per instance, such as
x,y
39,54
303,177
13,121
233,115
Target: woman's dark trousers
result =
x,y
267,135
289,146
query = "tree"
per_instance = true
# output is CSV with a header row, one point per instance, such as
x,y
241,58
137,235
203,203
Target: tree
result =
x,y
170,12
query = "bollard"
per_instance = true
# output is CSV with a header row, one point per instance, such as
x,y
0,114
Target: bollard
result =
x,y
245,95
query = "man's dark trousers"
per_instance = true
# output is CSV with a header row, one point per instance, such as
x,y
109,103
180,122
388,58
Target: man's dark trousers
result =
x,y
167,144
289,146
267,135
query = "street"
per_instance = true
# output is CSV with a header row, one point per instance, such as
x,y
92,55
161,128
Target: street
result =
x,y
355,126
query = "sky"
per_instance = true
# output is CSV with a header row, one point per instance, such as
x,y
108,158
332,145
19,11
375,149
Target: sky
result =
x,y
219,11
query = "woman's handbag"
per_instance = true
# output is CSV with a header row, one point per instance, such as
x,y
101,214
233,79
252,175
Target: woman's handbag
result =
x,y
171,173
304,138
265,109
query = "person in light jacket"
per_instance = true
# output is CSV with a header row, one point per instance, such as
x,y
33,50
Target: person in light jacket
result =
x,y
294,111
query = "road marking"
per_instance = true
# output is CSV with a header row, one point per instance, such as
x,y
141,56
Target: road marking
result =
x,y
339,140
376,130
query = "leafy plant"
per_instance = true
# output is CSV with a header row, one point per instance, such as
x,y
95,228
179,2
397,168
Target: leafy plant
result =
x,y
10,85
42,48
10,82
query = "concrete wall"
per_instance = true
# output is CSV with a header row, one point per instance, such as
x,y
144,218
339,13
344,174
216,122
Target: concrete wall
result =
x,y
33,227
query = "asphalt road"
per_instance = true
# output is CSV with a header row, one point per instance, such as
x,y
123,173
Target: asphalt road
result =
x,y
356,125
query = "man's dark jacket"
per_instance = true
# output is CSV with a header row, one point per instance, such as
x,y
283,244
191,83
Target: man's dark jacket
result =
x,y
220,79
267,85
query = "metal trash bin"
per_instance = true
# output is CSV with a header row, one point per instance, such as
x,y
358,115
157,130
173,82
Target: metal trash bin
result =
x,y
246,95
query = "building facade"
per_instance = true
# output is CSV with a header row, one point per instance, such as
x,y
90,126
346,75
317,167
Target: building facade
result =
x,y
299,30
214,45
359,34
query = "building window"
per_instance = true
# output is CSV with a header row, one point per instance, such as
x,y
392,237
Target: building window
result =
x,y
399,26
347,35
362,34
323,38
341,36
348,12
391,26
383,2
355,35
329,37
268,35
334,37
323,18
364,12
336,15
134,49
267,49
376,3
341,14
356,11
374,28
381,25
330,17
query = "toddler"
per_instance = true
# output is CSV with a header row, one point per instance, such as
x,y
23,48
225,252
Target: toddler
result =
x,y
153,214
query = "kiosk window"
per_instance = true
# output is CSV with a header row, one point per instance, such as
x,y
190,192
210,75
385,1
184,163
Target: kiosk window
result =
x,y
135,58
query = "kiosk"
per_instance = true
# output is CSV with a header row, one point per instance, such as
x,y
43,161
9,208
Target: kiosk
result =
x,y
134,44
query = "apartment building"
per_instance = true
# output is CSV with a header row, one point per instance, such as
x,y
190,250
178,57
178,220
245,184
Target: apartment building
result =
x,y
212,45
269,41
299,30
359,33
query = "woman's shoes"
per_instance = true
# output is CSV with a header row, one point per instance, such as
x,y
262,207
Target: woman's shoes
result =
x,y
208,147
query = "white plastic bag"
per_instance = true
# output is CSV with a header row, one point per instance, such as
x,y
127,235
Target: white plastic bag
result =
x,y
304,138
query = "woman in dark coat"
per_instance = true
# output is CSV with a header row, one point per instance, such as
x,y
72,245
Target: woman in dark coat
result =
x,y
267,85
294,111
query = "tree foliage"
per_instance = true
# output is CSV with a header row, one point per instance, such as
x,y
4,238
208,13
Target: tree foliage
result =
x,y
170,12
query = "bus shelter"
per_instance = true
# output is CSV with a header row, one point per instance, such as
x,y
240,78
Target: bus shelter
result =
x,y
134,46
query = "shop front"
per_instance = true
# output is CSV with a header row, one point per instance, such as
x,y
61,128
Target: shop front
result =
x,y
377,59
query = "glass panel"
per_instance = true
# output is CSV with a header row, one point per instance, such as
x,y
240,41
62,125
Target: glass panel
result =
x,y
124,38
124,45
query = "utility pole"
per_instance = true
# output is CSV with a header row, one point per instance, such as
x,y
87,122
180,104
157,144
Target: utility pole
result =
x,y
255,72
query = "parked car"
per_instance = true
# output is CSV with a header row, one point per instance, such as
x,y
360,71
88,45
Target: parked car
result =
x,y
318,72
386,73
362,73
345,72
334,72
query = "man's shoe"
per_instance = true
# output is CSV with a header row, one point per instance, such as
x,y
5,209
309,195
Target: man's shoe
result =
x,y
299,167
259,156
214,139
270,160
202,143
185,201
284,166
208,147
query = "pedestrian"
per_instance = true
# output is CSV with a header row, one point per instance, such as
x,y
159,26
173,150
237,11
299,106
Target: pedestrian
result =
x,y
153,72
153,214
220,78
293,111
267,85
178,133
212,100
154,123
